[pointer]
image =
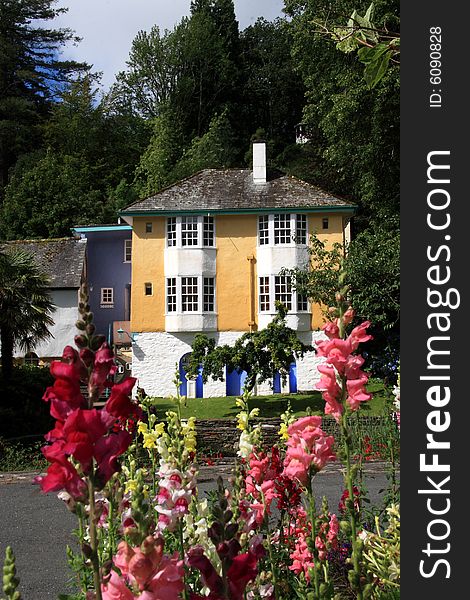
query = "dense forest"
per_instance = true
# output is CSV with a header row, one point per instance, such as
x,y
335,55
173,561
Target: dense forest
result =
x,y
192,98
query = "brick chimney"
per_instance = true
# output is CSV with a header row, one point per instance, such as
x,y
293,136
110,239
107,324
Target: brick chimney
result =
x,y
259,162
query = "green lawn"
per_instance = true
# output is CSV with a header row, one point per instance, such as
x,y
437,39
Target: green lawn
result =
x,y
270,406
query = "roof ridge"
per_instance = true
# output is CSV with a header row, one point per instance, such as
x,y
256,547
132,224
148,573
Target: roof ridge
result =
x,y
39,240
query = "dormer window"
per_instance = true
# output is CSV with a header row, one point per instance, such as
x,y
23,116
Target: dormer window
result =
x,y
191,231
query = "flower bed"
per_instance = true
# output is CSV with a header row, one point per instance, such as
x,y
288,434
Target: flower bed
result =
x,y
144,531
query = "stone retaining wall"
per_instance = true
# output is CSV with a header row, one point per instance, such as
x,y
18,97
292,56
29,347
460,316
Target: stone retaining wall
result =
x,y
221,435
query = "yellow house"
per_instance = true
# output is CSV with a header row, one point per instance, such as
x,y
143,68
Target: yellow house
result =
x,y
206,257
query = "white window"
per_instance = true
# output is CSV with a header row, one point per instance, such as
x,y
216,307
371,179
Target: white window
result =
x,y
107,295
171,231
301,229
302,303
283,290
189,231
171,294
127,251
282,229
209,294
279,288
189,294
263,224
264,303
208,231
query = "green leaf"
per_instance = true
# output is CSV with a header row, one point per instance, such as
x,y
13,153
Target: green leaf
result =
x,y
376,60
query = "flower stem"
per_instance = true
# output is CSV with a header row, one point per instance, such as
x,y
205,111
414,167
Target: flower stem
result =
x,y
311,507
94,542
182,553
356,555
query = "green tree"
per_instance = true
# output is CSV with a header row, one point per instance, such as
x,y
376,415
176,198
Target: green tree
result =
x,y
355,129
371,270
275,91
260,353
48,194
162,153
31,74
375,47
153,69
90,156
25,305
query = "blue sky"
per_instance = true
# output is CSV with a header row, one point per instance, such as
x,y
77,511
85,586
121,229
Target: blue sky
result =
x,y
107,27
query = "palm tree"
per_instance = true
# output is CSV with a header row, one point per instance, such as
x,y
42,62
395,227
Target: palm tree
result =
x,y
25,305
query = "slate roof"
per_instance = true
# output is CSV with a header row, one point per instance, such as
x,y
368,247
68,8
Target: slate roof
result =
x,y
229,190
62,259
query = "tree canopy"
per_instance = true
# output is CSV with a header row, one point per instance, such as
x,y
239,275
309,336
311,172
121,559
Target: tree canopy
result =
x,y
31,74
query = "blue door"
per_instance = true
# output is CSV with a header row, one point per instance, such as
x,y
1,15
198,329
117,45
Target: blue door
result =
x,y
277,383
199,384
184,381
234,381
293,378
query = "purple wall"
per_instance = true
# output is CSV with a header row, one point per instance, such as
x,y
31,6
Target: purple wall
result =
x,y
107,269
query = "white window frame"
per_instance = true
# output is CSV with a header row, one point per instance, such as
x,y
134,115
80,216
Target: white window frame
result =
x,y
264,296
190,231
171,286
104,292
127,250
177,241
177,293
171,227
271,293
209,230
283,291
299,217
208,283
271,231
263,231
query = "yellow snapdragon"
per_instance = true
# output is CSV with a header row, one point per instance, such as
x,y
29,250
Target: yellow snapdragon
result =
x,y
242,423
150,435
283,432
189,433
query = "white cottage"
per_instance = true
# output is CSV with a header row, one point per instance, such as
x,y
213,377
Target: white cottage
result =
x,y
64,262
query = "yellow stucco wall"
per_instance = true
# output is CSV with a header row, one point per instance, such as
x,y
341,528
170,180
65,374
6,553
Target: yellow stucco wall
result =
x,y
236,237
333,234
236,240
148,312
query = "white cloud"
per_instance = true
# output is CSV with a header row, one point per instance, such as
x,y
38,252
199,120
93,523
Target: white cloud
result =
x,y
107,27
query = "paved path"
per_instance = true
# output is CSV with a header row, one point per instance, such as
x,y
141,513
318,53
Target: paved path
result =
x,y
38,526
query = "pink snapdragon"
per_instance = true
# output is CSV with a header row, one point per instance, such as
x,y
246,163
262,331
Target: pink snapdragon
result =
x,y
307,447
342,369
174,495
145,567
302,559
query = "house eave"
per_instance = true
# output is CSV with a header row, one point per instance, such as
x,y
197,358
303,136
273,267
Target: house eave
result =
x,y
346,209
